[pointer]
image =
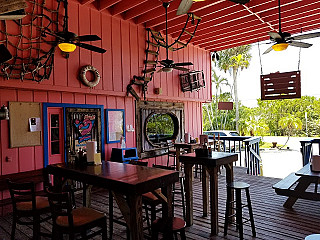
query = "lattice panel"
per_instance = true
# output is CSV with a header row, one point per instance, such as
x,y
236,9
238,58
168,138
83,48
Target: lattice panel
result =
x,y
278,85
32,52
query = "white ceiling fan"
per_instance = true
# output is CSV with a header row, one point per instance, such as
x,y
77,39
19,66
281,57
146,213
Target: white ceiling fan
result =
x,y
185,5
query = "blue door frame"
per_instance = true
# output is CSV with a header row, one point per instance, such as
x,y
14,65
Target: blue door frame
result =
x,y
64,106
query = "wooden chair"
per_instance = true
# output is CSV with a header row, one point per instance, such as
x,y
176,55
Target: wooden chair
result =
x,y
26,204
178,226
67,220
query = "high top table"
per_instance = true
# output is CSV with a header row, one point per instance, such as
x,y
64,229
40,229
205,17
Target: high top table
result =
x,y
209,165
124,180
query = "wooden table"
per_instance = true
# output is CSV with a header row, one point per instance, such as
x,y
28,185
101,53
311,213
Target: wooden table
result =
x,y
306,177
209,165
124,180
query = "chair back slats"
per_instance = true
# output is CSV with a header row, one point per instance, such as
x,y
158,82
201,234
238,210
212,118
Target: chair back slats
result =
x,y
22,192
61,205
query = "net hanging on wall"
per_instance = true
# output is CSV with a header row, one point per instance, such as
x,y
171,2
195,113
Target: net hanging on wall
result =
x,y
33,54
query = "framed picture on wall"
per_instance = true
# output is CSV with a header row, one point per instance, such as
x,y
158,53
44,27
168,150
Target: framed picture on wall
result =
x,y
115,125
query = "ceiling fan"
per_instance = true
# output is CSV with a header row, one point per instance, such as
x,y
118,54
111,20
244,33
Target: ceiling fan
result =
x,y
168,65
284,39
185,5
68,41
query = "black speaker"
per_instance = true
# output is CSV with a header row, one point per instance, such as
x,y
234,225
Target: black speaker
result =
x,y
5,55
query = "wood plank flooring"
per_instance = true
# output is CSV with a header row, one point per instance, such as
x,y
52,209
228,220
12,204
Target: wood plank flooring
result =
x,y
272,220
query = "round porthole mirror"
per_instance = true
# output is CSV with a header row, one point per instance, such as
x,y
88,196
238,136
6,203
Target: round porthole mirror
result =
x,y
161,127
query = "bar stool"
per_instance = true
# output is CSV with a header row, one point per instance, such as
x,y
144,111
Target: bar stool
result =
x,y
313,237
177,191
238,186
178,226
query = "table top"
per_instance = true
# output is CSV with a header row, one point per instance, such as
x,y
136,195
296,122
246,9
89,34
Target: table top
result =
x,y
217,158
306,171
125,178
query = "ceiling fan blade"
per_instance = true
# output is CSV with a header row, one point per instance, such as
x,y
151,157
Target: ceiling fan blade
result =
x,y
86,38
183,64
181,69
240,1
160,70
274,35
90,47
184,7
306,36
299,44
268,50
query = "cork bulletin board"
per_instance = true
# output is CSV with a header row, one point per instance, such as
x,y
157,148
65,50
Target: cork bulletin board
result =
x,y
20,134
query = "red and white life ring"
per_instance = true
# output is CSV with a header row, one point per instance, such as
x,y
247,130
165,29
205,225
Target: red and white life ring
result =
x,y
84,79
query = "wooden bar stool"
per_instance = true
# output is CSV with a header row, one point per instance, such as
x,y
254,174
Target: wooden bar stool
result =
x,y
178,226
237,187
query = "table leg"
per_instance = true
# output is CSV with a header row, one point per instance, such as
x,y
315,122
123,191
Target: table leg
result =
x,y
214,200
177,158
205,191
301,187
86,197
136,225
189,193
167,211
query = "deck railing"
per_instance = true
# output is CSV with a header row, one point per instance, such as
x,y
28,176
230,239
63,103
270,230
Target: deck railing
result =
x,y
250,145
307,149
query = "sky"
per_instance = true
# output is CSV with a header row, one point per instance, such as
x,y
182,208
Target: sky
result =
x,y
284,61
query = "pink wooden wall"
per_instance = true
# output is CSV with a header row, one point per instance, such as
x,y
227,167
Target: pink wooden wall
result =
x,y
125,45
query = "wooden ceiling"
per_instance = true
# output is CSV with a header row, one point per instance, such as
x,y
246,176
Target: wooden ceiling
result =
x,y
224,24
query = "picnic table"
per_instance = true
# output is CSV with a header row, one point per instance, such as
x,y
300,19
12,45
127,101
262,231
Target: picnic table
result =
x,y
296,185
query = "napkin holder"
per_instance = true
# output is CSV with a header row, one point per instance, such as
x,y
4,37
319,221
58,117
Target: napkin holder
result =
x,y
315,163
200,152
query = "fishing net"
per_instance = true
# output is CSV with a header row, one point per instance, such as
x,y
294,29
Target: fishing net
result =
x,y
31,48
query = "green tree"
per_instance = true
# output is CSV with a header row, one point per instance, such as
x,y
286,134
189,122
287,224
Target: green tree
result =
x,y
235,59
290,123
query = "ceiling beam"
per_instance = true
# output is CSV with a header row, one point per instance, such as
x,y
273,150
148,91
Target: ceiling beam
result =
x,y
85,2
123,6
104,4
259,36
173,15
231,30
141,9
159,11
226,16
260,19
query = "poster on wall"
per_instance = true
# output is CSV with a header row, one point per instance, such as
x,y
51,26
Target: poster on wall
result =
x,y
83,125
115,125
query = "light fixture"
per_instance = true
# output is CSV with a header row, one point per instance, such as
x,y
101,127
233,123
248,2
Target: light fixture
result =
x,y
198,0
280,46
167,69
67,47
4,113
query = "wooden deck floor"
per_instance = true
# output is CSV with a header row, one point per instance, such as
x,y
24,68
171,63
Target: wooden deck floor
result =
x,y
272,220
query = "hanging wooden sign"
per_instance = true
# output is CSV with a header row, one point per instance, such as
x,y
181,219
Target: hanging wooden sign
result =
x,y
278,85
225,105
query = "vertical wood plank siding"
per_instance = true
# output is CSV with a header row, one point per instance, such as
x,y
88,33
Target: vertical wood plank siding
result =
x,y
125,43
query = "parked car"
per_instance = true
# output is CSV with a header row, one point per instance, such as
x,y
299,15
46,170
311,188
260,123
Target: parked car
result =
x,y
223,133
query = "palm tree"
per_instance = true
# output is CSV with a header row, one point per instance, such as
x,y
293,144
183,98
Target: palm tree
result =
x,y
218,81
235,59
290,123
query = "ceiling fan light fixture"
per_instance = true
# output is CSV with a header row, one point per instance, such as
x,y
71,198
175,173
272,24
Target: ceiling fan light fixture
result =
x,y
167,69
67,47
280,46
